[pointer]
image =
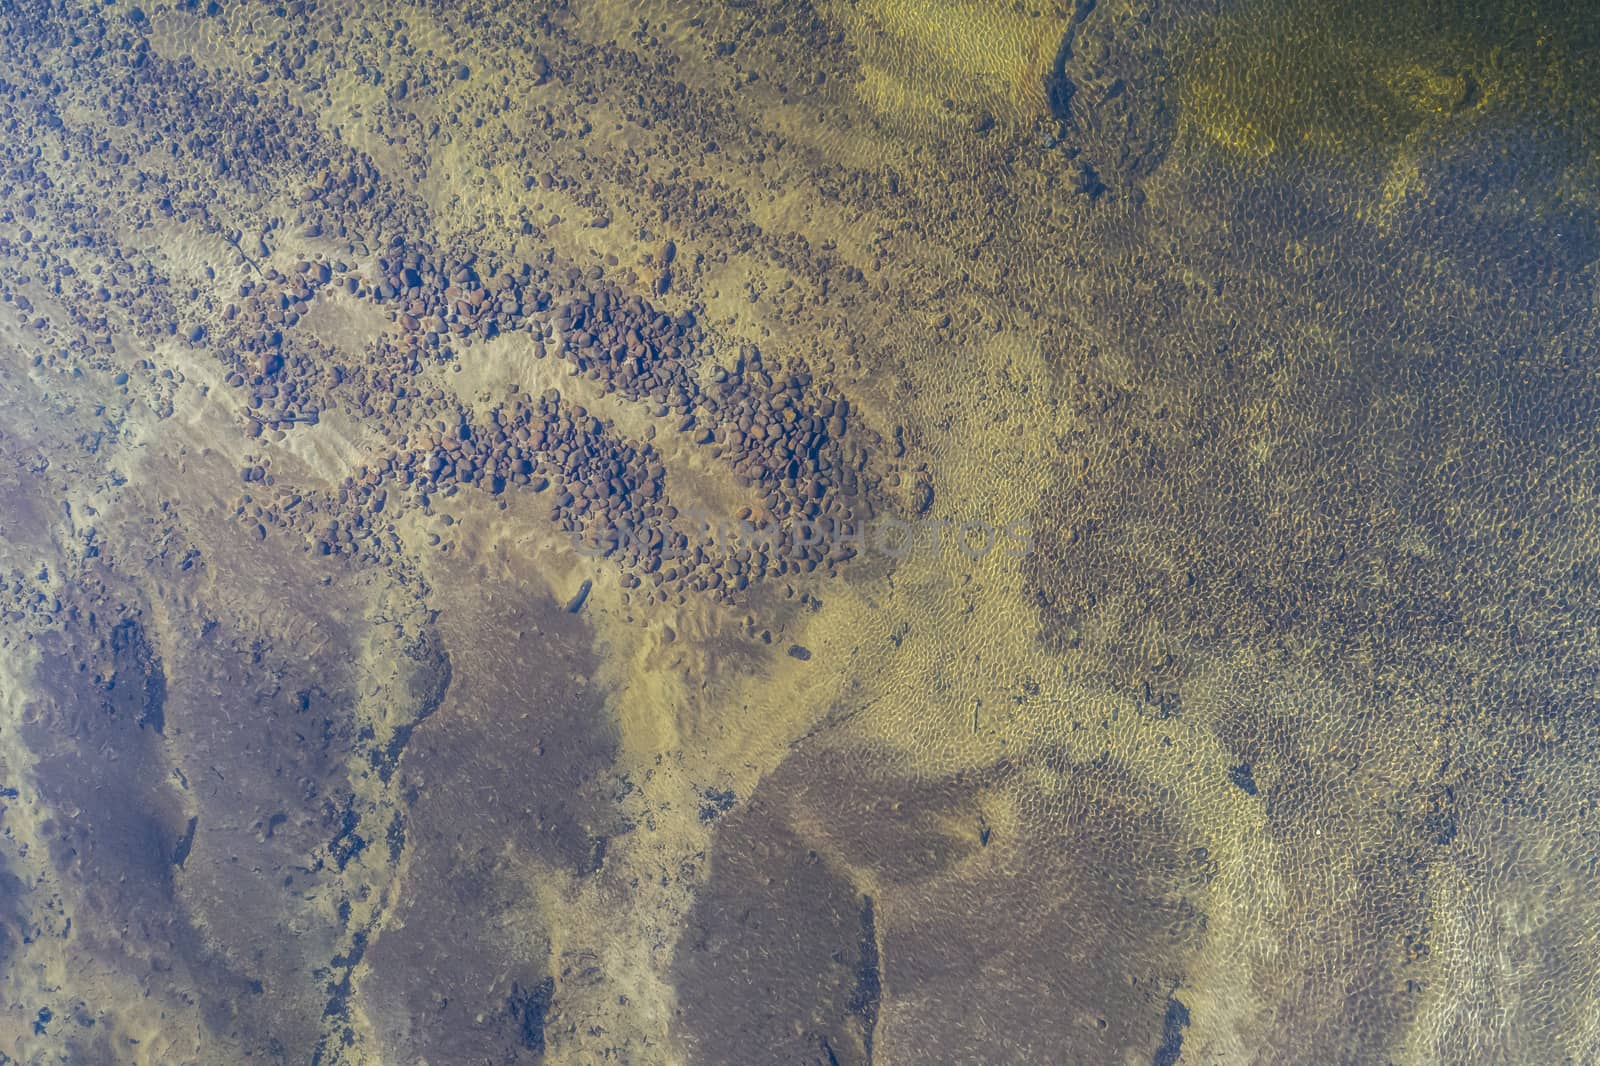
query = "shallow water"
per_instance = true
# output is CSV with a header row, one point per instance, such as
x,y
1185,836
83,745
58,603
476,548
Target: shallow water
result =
x,y
1179,643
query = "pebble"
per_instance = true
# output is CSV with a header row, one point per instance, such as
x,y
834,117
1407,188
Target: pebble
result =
x,y
778,430
575,604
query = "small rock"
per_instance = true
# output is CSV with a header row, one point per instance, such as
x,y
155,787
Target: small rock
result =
x,y
575,604
1242,777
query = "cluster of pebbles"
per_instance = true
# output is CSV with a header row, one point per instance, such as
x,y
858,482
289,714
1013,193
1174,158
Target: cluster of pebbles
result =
x,y
784,437
787,439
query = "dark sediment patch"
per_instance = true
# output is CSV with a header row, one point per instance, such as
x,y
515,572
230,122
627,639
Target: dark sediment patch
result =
x,y
132,858
427,684
13,911
775,926
1242,777
528,1008
488,794
1110,92
138,685
868,995
1173,1024
768,966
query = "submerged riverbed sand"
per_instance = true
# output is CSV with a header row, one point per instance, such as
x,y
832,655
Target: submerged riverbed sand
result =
x,y
336,342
